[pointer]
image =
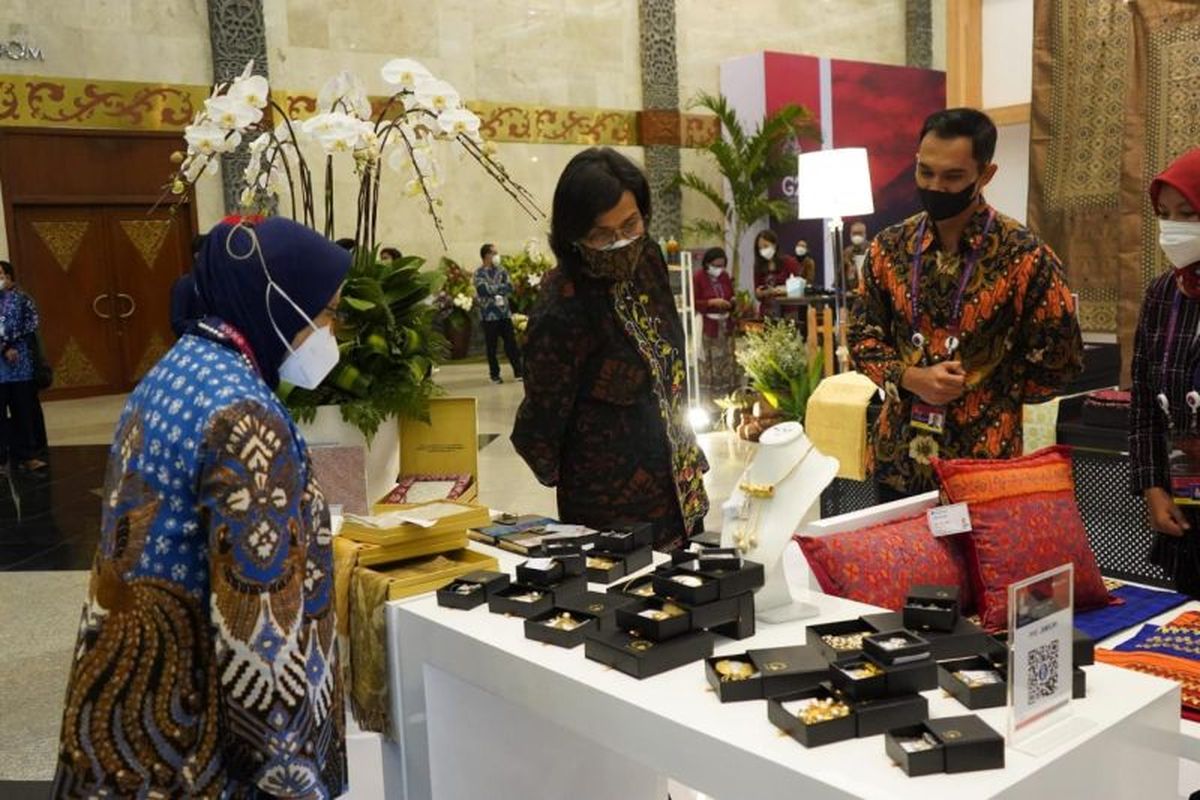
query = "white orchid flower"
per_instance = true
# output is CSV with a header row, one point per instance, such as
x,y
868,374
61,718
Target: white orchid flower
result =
x,y
347,88
232,113
436,96
404,72
246,198
247,71
253,91
457,121
204,138
193,168
335,131
534,279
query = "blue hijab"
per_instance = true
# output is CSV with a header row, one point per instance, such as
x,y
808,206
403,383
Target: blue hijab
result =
x,y
233,286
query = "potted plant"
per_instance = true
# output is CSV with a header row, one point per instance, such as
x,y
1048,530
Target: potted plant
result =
x,y
386,332
750,164
781,370
454,303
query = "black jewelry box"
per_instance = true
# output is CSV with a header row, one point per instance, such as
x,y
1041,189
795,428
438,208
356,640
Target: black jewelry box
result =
x,y
622,564
931,608
643,658
719,559
876,716
639,587
789,669
558,550
846,627
640,534
732,582
718,613
687,555
488,582
1078,684
908,647
734,678
911,677
601,605
990,695
633,618
967,638
541,571
537,629
970,743
462,594
915,763
571,586
686,585
502,602
742,627
783,715
868,687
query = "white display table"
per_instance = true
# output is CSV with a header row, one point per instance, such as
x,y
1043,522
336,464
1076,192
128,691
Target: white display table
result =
x,y
481,711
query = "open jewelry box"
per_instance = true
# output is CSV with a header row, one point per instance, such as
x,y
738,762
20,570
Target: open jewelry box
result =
x,y
767,672
642,658
823,715
560,627
946,744
472,590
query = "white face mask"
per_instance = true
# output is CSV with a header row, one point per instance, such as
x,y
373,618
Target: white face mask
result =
x,y
801,252
619,244
3,284
857,240
495,259
316,357
767,252
1180,241
715,271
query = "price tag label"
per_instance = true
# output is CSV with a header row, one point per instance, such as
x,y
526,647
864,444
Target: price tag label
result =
x,y
949,520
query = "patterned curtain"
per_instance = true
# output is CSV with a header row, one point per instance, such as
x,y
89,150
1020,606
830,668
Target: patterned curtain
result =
x,y
1116,96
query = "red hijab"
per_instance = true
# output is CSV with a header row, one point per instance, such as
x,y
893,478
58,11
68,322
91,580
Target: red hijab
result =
x,y
1183,175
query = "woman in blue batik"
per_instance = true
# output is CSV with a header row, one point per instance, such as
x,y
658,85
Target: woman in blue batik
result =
x,y
18,393
207,661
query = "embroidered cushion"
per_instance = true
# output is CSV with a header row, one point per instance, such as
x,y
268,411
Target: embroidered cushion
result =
x,y
1024,521
878,564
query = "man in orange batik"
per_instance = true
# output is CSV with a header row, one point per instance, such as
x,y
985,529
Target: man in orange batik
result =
x,y
965,316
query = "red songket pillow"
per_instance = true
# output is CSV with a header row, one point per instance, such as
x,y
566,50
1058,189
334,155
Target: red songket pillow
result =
x,y
878,564
1024,521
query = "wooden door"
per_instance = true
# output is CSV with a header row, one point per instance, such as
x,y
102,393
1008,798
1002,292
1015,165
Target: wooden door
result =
x,y
148,251
63,265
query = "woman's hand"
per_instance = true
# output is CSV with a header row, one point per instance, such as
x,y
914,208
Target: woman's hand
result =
x,y
1165,516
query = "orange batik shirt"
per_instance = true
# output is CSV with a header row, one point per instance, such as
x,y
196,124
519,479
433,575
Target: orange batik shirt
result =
x,y
1019,339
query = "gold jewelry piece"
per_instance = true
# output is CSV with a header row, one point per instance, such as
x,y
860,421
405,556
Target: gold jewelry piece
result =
x,y
693,581
596,562
528,597
845,641
759,490
563,622
731,670
465,589
861,671
974,678
823,710
893,643
918,744
645,590
668,611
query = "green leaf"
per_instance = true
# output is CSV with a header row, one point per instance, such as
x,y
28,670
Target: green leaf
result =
x,y
359,305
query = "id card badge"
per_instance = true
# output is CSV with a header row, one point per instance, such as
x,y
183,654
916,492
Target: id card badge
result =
x,y
931,419
1185,470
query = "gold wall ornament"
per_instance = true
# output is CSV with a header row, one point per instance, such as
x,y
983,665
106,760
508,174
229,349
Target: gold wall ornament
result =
x,y
34,100
156,348
147,235
74,369
62,239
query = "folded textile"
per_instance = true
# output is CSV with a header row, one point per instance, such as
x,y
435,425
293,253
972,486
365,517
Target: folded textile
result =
x,y
1170,651
368,649
424,488
1139,604
836,421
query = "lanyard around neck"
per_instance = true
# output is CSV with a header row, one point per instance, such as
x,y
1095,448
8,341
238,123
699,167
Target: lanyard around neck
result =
x,y
1192,398
918,339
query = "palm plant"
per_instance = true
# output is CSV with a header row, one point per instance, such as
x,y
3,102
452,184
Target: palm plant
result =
x,y
751,163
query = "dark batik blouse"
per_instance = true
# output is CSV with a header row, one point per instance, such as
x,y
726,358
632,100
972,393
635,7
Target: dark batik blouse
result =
x,y
604,417
1020,340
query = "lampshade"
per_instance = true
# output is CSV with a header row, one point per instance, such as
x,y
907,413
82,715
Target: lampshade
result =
x,y
834,183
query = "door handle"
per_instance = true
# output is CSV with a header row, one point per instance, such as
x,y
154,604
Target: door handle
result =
x,y
96,306
132,306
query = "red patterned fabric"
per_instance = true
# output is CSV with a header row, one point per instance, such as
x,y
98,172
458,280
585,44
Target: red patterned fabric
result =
x,y
1024,521
877,565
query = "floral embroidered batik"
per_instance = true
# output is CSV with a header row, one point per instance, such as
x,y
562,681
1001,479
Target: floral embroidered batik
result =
x,y
207,663
1020,342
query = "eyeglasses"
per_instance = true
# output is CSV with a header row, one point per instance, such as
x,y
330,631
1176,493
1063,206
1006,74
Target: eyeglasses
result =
x,y
600,238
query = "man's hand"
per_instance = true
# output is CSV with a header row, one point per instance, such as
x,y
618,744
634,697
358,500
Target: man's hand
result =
x,y
1165,516
717,304
937,385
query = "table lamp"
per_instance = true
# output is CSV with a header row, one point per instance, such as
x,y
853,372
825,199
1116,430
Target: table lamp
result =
x,y
830,185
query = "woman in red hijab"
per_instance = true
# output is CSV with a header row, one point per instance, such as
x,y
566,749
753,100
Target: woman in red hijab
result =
x,y
1165,413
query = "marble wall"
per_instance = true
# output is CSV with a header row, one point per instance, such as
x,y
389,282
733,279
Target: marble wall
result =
x,y
544,52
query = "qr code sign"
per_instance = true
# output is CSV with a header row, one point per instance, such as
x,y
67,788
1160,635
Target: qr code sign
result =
x,y
1042,671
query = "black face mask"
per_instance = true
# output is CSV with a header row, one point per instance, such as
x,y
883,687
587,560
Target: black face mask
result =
x,y
944,205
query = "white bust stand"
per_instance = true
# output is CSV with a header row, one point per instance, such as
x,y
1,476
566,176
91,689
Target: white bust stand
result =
x,y
786,460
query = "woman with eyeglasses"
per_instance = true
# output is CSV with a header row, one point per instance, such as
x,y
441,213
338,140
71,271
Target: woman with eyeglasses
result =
x,y
604,418
207,663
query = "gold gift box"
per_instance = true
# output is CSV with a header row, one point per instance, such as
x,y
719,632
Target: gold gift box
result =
x,y
427,574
